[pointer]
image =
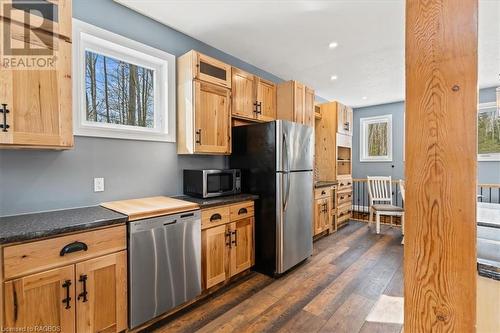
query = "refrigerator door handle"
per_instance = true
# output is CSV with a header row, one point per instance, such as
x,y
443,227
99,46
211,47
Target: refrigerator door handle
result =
x,y
286,161
287,192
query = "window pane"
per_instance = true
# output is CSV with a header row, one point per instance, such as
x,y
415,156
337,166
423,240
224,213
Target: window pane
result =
x,y
488,132
117,92
377,139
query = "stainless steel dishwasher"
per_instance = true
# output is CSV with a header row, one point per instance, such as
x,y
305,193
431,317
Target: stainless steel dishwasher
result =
x,y
164,264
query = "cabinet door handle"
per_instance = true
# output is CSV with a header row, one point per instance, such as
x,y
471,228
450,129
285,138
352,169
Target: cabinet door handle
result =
x,y
73,247
342,197
259,107
67,300
242,211
84,293
4,110
198,136
15,305
215,217
228,235
323,192
235,241
256,108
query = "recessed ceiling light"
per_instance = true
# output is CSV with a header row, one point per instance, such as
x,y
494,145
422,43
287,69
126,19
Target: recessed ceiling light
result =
x,y
333,45
334,77
364,97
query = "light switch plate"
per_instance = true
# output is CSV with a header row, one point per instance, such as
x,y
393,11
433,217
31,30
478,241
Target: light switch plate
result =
x,y
98,184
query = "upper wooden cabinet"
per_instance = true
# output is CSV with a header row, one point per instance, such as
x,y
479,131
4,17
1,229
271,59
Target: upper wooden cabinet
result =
x,y
344,119
35,102
203,108
253,98
211,70
295,103
325,150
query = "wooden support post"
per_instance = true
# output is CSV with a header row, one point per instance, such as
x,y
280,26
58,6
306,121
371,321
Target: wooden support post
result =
x,y
441,158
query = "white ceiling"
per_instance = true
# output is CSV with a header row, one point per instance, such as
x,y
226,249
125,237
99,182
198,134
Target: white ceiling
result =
x,y
290,39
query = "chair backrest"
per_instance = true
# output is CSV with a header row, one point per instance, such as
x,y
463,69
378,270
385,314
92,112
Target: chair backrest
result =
x,y
380,189
402,188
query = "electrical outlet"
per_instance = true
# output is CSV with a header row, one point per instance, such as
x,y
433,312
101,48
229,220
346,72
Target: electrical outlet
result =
x,y
98,184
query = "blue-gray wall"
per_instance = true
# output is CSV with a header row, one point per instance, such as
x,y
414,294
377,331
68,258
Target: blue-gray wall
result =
x,y
488,172
33,181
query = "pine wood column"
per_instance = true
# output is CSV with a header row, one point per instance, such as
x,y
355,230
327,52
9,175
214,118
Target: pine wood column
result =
x,y
441,158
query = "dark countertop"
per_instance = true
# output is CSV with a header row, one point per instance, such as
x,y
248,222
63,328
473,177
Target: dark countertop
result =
x,y
38,225
323,183
218,201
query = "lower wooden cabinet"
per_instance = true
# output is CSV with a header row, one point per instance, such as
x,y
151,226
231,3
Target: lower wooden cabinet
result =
x,y
321,215
227,249
84,294
241,248
43,299
101,294
214,245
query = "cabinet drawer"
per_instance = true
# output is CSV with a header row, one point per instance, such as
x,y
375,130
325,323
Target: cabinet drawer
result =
x,y
344,197
241,210
41,255
214,217
322,192
343,210
344,184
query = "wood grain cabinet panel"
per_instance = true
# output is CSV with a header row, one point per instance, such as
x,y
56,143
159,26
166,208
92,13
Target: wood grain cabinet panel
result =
x,y
101,294
212,118
244,103
295,102
43,299
266,97
214,255
203,105
241,256
321,215
227,247
39,101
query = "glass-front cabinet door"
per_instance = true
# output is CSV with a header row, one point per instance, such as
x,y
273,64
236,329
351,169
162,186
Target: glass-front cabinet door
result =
x,y
212,70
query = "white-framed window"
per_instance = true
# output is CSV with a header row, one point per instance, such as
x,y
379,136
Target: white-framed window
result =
x,y
488,132
121,88
376,139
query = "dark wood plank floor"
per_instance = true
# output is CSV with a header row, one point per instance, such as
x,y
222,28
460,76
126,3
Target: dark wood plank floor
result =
x,y
333,291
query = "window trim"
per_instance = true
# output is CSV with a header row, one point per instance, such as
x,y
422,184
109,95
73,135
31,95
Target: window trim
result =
x,y
363,142
97,40
495,157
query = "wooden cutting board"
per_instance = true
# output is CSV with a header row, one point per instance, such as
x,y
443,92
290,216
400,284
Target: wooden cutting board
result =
x,y
137,209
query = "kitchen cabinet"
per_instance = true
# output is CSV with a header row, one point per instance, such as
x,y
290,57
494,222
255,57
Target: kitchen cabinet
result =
x,y
36,103
253,98
309,113
321,215
204,108
81,286
295,102
344,119
101,294
214,243
241,245
324,210
325,150
227,242
42,299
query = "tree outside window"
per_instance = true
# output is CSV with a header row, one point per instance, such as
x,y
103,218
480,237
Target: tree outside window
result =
x,y
376,139
488,132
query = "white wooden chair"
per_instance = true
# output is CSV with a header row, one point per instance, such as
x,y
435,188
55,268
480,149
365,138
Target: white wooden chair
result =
x,y
402,190
380,198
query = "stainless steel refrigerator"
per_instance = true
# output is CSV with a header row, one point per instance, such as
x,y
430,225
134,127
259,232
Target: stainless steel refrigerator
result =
x,y
276,160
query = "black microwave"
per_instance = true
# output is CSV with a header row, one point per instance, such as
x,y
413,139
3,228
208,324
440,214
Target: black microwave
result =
x,y
212,183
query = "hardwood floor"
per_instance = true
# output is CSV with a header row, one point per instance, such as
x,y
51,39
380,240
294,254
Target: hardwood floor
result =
x,y
333,291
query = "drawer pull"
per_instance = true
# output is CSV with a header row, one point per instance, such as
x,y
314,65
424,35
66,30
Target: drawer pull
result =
x,y
215,217
73,247
323,192
342,198
67,300
242,211
84,293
